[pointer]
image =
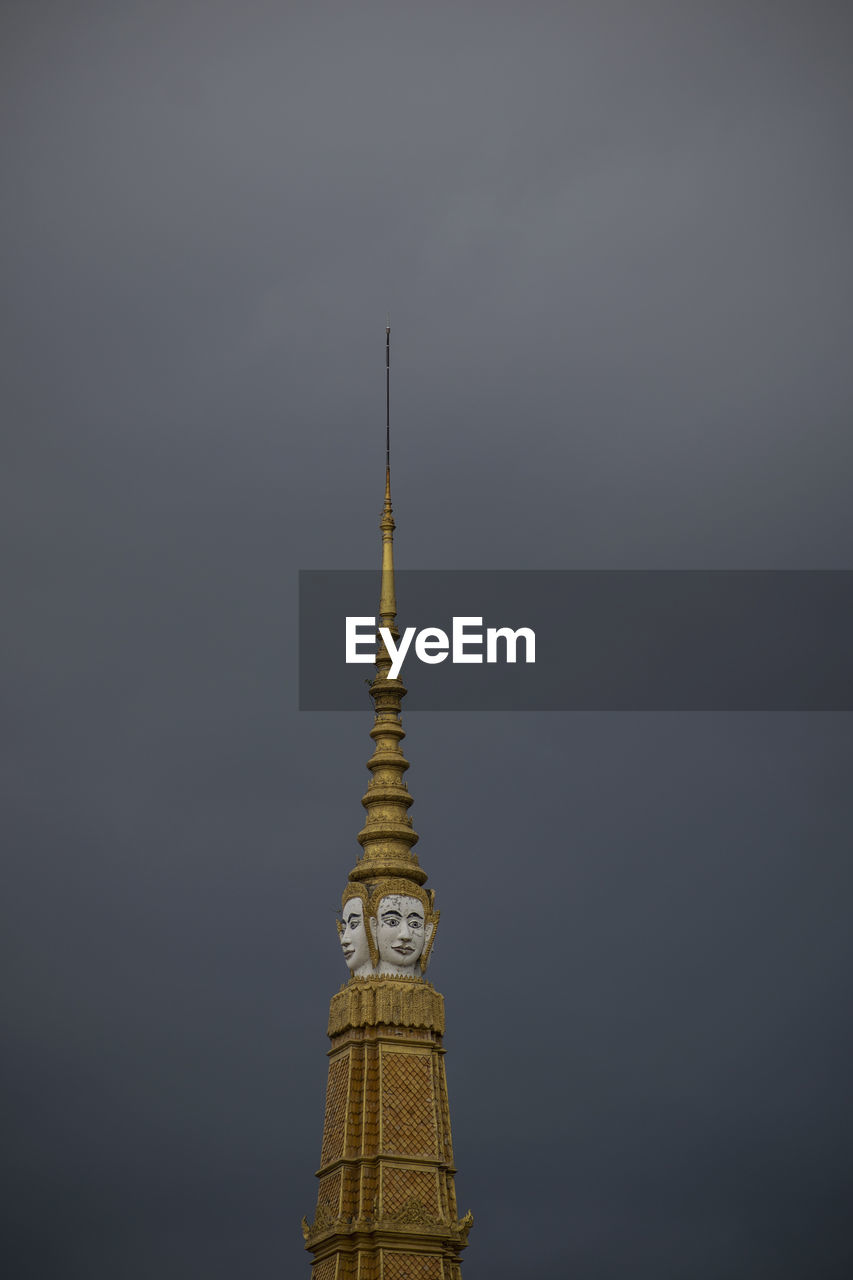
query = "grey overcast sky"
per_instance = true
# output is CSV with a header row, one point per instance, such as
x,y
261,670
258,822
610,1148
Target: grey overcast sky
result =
x,y
614,240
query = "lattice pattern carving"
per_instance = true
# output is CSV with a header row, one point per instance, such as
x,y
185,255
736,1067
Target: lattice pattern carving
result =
x,y
335,1119
324,1270
329,1194
356,1104
408,1105
346,1267
350,1192
370,1191
368,1266
411,1266
399,1186
370,1111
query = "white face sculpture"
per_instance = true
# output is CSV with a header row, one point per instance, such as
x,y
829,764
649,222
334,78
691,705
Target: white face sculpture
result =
x,y
401,934
354,938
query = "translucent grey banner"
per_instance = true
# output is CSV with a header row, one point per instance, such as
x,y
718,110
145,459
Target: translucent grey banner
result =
x,y
604,640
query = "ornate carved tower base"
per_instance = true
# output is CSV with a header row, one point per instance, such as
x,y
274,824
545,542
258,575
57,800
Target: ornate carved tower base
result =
x,y
386,1208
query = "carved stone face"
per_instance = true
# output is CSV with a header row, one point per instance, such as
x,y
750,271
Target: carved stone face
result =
x,y
354,942
401,934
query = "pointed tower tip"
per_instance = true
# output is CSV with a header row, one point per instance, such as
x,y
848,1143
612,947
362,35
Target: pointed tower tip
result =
x,y
387,599
388,404
387,837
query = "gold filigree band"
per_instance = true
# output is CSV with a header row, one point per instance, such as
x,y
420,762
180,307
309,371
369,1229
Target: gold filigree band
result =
x,y
391,1002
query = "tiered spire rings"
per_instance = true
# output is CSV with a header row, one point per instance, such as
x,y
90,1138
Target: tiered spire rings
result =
x,y
387,837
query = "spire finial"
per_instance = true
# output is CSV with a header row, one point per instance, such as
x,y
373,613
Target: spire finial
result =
x,y
388,404
387,836
387,597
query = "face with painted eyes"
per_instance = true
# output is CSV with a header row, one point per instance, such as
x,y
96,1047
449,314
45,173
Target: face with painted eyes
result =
x,y
401,933
354,943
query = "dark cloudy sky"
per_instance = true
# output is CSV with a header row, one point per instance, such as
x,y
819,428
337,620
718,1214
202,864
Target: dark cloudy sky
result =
x,y
614,240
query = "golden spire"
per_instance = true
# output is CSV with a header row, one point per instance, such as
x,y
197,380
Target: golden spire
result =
x,y
387,836
386,1201
387,595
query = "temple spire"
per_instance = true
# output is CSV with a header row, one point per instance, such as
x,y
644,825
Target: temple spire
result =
x,y
387,836
386,1200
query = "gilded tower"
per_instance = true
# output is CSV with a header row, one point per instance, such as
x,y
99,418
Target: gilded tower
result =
x,y
386,1203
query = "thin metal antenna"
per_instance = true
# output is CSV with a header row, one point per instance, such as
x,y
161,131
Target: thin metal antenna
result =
x,y
388,395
